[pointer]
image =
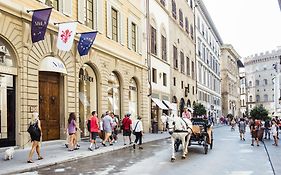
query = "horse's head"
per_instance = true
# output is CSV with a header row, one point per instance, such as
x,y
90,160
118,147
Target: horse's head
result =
x,y
170,124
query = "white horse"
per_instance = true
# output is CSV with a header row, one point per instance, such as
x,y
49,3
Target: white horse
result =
x,y
179,128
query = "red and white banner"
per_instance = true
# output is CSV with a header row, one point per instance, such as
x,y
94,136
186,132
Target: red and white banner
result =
x,y
66,35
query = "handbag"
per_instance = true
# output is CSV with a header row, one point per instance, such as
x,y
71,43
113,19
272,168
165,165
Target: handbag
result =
x,y
134,131
33,129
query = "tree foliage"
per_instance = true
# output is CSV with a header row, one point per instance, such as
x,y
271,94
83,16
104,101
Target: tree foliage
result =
x,y
199,109
259,112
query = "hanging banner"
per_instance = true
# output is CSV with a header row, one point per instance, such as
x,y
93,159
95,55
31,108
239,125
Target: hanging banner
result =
x,y
66,35
40,20
85,42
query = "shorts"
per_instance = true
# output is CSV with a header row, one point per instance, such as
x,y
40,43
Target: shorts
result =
x,y
127,132
254,134
242,131
94,135
71,134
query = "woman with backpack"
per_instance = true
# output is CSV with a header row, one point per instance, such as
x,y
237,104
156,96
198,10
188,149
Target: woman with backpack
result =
x,y
35,134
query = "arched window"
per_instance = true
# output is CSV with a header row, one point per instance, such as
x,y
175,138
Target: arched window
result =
x,y
186,25
191,31
181,17
113,94
250,83
174,9
87,95
251,98
265,81
257,82
265,97
257,98
191,3
133,98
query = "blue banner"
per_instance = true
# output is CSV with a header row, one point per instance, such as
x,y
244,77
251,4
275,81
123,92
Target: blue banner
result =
x,y
85,42
40,20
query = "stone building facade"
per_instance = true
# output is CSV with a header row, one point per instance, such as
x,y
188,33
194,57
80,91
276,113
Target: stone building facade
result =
x,y
182,53
208,43
230,84
113,76
262,80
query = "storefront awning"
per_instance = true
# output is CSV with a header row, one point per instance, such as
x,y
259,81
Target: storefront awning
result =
x,y
170,105
159,103
52,64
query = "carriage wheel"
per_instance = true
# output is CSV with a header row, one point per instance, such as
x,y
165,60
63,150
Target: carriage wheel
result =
x,y
212,141
205,145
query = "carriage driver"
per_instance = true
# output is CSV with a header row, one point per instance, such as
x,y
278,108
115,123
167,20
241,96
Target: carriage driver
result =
x,y
186,113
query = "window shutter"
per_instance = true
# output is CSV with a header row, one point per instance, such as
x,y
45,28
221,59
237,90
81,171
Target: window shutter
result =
x,y
81,11
100,15
121,28
139,39
129,33
109,21
67,7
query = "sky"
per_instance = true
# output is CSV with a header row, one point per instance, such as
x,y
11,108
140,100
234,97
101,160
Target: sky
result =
x,y
251,26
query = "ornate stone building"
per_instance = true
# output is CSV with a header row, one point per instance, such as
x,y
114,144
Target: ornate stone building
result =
x,y
230,84
113,76
262,80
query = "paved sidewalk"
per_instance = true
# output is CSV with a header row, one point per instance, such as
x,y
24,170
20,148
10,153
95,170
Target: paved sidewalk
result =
x,y
54,152
274,154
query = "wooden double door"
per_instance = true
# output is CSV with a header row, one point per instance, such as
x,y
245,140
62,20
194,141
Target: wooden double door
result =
x,y
49,104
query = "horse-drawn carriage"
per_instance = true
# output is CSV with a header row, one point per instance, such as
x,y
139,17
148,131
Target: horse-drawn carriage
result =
x,y
202,135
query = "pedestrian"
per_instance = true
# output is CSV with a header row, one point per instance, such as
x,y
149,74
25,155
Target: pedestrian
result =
x,y
254,127
274,130
267,126
72,129
114,128
35,137
94,129
107,127
164,121
242,128
101,133
127,127
138,130
233,124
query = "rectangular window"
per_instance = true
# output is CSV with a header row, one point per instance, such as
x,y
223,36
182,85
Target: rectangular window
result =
x,y
175,83
134,37
187,66
182,62
164,48
164,79
114,17
153,41
89,14
175,55
192,69
154,75
163,2
181,84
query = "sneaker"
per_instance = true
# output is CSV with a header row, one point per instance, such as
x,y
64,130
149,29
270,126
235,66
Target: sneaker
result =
x,y
97,147
90,149
252,144
76,148
110,144
78,145
244,139
103,144
134,146
66,145
258,145
125,144
140,147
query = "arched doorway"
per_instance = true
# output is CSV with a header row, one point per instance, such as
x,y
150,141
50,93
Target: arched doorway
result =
x,y
133,99
113,92
51,95
87,96
8,72
182,104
